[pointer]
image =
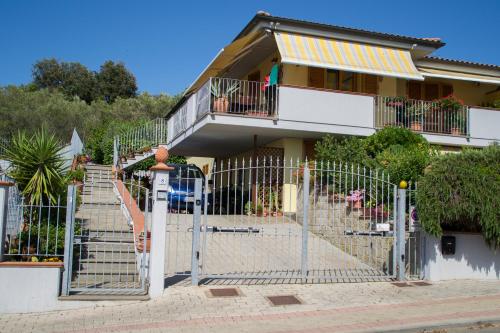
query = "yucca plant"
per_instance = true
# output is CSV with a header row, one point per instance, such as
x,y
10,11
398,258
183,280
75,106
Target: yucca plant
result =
x,y
37,165
222,88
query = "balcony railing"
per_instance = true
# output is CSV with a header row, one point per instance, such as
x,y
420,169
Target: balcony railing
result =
x,y
223,95
422,116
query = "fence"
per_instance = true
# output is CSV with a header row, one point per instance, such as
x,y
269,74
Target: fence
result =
x,y
275,219
422,116
140,139
34,231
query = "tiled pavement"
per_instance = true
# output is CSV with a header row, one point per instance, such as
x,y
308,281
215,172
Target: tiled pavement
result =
x,y
354,307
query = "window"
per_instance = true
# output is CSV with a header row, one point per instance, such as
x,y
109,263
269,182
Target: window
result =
x,y
348,81
316,77
428,90
332,79
370,84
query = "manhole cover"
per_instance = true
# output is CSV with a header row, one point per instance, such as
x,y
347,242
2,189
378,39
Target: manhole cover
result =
x,y
421,283
284,300
401,284
224,292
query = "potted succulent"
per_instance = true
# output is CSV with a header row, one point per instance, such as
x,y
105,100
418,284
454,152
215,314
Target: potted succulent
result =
x,y
249,208
220,91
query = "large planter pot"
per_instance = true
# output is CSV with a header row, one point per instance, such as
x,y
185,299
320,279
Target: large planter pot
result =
x,y
456,131
416,126
355,204
221,104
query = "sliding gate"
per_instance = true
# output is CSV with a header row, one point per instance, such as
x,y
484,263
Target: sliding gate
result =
x,y
294,221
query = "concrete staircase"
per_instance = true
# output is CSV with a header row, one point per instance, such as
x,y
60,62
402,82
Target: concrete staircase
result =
x,y
107,258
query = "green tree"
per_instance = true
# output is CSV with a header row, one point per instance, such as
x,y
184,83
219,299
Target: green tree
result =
x,y
72,78
115,80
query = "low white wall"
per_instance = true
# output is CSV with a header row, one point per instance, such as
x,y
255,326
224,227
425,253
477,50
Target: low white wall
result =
x,y
484,124
29,289
325,107
473,259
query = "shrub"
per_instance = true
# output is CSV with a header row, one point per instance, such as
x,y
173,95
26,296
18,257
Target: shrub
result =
x,y
460,192
390,136
351,150
405,163
37,165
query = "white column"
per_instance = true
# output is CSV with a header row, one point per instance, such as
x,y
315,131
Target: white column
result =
x,y
158,224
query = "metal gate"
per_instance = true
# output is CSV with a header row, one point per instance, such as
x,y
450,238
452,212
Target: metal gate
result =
x,y
290,220
108,250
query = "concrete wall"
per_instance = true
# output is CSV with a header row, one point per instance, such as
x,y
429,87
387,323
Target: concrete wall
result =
x,y
29,289
473,259
325,107
484,123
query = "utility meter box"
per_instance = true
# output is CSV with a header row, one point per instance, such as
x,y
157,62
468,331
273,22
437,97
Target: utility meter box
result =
x,y
448,245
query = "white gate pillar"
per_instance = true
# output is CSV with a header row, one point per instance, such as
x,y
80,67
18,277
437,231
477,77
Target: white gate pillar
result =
x,y
158,224
400,233
4,199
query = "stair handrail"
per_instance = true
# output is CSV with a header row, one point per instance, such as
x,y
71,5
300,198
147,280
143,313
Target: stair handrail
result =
x,y
139,139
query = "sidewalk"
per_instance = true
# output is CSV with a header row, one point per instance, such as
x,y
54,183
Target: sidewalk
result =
x,y
355,307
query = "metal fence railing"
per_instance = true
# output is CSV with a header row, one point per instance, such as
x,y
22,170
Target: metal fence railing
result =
x,y
34,232
422,116
140,139
241,97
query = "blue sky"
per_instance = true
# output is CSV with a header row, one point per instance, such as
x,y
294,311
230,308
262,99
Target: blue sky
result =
x,y
167,43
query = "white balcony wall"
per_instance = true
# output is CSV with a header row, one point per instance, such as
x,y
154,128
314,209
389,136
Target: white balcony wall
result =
x,y
325,107
183,118
484,124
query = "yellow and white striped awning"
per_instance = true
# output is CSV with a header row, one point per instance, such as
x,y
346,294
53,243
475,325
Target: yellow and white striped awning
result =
x,y
342,55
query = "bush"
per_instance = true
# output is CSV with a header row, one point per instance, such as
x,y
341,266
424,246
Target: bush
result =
x,y
460,192
350,150
405,163
390,136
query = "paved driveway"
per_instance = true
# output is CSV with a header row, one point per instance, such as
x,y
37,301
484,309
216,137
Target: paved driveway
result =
x,y
272,248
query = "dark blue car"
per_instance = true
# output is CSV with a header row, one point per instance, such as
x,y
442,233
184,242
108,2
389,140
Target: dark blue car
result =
x,y
181,187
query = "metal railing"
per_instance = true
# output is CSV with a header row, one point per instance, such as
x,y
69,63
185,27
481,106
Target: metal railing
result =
x,y
140,139
4,142
224,95
179,120
422,116
34,232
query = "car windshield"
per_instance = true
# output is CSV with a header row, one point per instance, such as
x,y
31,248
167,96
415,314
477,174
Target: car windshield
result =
x,y
185,171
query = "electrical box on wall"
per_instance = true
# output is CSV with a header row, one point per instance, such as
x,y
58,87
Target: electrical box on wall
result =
x,y
448,245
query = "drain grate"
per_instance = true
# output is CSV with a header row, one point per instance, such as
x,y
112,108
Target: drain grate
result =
x,y
421,283
224,292
284,300
401,284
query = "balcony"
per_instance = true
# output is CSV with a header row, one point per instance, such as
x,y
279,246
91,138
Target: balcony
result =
x,y
224,116
437,117
237,97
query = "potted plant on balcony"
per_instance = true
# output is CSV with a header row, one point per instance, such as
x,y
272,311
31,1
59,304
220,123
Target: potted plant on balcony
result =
x,y
415,117
453,114
221,90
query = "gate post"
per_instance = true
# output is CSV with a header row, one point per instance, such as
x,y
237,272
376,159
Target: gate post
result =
x,y
4,205
69,234
400,234
158,224
195,251
305,221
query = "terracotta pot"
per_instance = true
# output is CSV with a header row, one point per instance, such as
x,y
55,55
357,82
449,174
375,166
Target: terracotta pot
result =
x,y
355,204
416,126
456,131
221,104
